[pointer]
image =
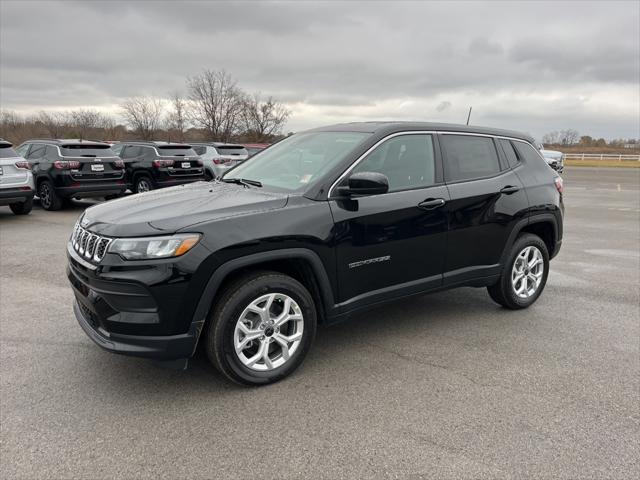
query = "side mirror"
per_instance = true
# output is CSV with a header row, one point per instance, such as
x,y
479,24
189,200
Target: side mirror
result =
x,y
365,183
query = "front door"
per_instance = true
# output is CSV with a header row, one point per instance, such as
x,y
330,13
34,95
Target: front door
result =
x,y
394,241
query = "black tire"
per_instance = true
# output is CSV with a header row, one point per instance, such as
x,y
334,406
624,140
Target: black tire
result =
x,y
22,208
49,199
142,184
219,334
503,292
207,175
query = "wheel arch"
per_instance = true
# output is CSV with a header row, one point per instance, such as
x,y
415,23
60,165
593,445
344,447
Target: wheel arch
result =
x,y
543,225
303,264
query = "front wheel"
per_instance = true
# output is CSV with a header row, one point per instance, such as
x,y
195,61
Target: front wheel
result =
x,y
524,275
261,328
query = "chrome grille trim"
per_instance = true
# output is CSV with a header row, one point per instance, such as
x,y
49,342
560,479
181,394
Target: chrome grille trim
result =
x,y
89,245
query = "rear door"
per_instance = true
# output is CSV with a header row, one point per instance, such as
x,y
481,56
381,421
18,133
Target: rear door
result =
x,y
395,242
487,200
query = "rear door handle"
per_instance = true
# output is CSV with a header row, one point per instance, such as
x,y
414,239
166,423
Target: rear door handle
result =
x,y
431,203
509,189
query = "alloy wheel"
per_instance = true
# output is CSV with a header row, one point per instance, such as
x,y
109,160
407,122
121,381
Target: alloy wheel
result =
x,y
268,332
143,185
527,272
45,195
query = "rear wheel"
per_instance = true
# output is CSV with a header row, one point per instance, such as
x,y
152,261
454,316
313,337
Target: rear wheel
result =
x,y
22,208
143,184
207,175
524,275
49,199
261,328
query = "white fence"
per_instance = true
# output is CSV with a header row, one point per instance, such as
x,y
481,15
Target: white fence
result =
x,y
601,156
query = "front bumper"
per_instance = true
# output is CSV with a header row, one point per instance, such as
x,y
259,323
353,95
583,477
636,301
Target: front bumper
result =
x,y
123,315
172,347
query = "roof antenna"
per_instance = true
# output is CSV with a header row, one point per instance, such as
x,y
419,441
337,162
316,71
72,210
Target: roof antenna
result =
x,y
469,115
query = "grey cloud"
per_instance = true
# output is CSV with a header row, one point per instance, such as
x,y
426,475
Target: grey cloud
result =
x,y
344,57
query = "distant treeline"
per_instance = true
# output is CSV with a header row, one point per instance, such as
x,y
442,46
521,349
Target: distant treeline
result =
x,y
214,108
571,140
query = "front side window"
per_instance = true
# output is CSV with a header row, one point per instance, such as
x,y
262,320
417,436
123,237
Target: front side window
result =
x,y
470,157
408,162
299,160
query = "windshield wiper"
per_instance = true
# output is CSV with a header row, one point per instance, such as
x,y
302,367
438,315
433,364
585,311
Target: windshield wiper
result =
x,y
242,181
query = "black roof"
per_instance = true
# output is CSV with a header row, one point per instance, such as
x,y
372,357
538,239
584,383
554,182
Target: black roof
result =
x,y
386,128
154,143
65,141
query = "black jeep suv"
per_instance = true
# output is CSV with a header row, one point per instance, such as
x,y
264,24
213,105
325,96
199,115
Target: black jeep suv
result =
x,y
152,165
322,224
65,169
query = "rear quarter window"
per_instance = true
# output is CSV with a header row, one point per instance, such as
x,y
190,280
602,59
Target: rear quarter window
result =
x,y
509,152
528,153
470,157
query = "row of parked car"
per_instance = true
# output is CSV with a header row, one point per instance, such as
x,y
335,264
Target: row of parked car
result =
x,y
58,170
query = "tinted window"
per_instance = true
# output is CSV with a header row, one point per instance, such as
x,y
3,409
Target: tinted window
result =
x,y
407,161
37,151
86,151
117,149
510,153
7,152
51,152
131,152
200,149
232,150
527,152
470,157
174,151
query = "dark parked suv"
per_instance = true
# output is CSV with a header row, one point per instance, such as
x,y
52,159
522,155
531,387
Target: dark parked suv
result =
x,y
152,165
65,169
321,225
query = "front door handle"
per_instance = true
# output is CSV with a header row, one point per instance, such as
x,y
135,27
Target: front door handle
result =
x,y
509,189
431,203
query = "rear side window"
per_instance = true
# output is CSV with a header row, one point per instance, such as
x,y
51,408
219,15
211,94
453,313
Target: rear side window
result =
x,y
407,160
470,157
6,151
200,149
131,152
51,152
510,153
37,151
528,153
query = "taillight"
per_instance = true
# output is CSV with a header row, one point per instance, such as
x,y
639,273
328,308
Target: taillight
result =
x,y
162,163
24,165
119,163
66,164
218,161
559,184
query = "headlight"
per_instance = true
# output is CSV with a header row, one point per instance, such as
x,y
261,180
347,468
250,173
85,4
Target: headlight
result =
x,y
146,248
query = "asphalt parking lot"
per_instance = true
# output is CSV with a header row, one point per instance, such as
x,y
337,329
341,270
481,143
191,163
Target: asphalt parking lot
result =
x,y
443,386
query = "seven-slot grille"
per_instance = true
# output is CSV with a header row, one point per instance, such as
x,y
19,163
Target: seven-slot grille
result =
x,y
89,245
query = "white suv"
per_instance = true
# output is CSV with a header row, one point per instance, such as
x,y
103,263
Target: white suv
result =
x,y
219,157
16,180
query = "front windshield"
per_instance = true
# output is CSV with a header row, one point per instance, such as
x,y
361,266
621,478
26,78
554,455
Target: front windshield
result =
x,y
296,162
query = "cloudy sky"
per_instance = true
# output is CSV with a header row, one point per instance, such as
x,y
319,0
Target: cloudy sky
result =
x,y
530,66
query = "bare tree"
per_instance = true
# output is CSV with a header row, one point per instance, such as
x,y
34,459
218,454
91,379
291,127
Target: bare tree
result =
x,y
217,103
143,114
176,121
569,137
85,122
263,119
55,123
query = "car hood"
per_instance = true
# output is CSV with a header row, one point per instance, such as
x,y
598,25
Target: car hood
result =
x,y
176,208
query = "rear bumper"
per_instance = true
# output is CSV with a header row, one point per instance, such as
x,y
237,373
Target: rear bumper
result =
x,y
15,195
86,191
